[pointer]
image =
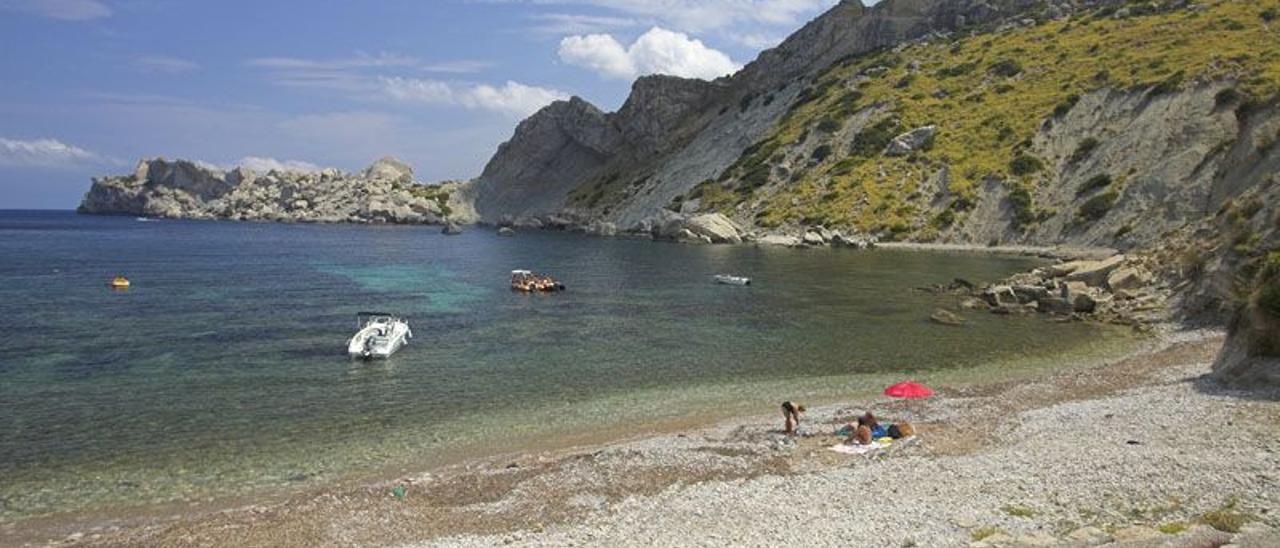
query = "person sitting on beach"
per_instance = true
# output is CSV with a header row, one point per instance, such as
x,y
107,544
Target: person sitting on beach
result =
x,y
791,416
877,430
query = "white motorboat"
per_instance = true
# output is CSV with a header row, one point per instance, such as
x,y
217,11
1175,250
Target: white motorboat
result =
x,y
732,280
380,335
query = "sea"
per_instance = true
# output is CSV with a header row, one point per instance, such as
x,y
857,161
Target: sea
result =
x,y
222,374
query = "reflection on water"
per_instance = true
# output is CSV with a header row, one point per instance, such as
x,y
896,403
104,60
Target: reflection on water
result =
x,y
222,370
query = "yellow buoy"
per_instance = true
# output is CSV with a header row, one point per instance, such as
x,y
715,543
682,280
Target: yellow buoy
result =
x,y
119,282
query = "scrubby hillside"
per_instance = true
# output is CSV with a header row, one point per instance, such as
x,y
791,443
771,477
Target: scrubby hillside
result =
x,y
1108,127
1103,123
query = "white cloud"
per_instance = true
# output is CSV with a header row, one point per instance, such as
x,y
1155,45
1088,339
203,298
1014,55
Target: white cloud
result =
x,y
511,98
46,153
263,165
164,64
658,51
705,15
66,10
560,24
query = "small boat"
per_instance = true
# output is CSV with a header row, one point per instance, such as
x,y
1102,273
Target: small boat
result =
x,y
530,282
119,282
380,335
732,280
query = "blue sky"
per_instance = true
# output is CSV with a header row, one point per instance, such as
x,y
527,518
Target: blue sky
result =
x,y
91,86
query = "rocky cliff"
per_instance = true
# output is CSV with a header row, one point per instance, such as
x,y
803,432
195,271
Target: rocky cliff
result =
x,y
383,193
1028,122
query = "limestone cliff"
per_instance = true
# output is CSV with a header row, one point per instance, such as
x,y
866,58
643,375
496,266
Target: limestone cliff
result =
x,y
385,192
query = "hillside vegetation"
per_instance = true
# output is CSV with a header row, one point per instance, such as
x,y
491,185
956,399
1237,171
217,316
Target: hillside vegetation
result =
x,y
988,95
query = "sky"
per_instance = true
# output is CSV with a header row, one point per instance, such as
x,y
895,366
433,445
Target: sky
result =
x,y
91,86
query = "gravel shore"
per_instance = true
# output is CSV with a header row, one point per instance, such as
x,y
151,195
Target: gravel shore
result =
x,y
1150,444
1143,452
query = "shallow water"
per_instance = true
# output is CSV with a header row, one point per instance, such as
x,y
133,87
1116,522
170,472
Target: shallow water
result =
x,y
222,370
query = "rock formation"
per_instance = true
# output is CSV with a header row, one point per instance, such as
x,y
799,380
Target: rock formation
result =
x,y
383,193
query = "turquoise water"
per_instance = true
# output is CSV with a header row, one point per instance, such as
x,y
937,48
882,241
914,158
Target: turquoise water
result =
x,y
222,370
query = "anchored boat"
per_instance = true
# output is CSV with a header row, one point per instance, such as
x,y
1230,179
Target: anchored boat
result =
x,y
529,282
732,280
380,335
119,282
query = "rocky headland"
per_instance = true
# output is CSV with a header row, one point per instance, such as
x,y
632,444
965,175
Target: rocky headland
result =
x,y
386,192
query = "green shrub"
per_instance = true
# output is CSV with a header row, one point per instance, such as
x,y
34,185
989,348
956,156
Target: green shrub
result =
x,y
821,153
957,70
1066,105
1019,511
1232,24
1227,520
829,125
745,102
1174,527
1268,15
1098,206
1025,164
944,218
1084,149
871,141
1096,182
983,532
1268,284
1023,212
1168,85
1226,97
905,82
1006,68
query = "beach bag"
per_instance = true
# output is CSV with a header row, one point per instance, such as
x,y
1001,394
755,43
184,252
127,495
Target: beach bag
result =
x,y
895,432
902,430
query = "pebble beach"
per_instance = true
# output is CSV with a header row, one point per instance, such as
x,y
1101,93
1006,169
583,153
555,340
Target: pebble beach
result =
x,y
1141,452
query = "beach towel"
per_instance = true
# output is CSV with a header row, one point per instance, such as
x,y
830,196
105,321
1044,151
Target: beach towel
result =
x,y
850,449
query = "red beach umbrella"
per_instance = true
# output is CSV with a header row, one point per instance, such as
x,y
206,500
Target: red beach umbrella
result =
x,y
908,390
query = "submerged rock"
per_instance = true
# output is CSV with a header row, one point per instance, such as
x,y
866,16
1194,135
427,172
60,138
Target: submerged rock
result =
x,y
946,317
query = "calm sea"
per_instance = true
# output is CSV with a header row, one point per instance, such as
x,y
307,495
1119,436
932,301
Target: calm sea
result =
x,y
222,370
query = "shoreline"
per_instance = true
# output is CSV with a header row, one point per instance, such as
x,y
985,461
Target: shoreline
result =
x,y
562,496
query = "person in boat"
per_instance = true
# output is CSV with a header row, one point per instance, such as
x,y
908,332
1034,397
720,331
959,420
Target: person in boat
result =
x,y
791,416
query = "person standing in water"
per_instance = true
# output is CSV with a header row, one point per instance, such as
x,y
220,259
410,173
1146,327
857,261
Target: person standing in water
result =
x,y
791,416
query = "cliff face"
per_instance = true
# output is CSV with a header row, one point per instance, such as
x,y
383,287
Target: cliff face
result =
x,y
385,192
674,133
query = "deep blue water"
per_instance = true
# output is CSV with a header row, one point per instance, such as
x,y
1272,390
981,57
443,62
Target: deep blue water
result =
x,y
222,370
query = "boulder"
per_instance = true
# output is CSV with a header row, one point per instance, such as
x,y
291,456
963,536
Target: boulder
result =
x,y
528,222
389,169
1000,295
451,229
813,238
715,227
506,231
779,239
1054,305
1083,303
1094,273
1127,278
1029,293
602,228
911,141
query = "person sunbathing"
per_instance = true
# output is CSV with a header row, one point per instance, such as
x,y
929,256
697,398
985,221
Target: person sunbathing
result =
x,y
791,417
